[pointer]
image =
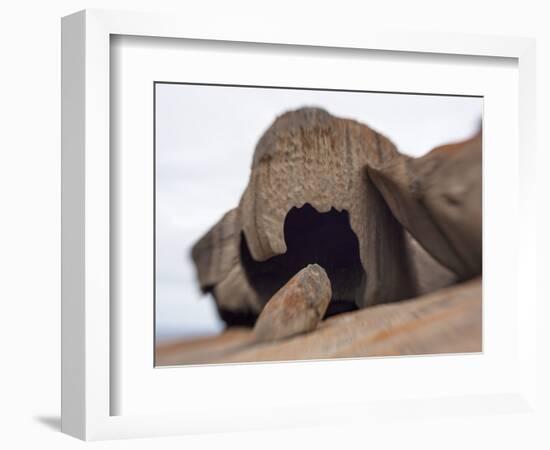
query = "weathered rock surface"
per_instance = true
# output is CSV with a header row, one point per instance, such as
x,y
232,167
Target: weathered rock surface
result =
x,y
297,307
437,198
217,252
333,192
217,259
309,171
445,321
430,274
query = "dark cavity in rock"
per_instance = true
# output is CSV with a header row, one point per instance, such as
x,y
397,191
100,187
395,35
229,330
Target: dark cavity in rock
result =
x,y
312,238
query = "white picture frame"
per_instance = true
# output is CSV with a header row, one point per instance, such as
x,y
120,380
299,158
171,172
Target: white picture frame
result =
x,y
87,322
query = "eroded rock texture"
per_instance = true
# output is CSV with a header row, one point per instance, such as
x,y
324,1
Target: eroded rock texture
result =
x,y
309,200
217,259
334,192
430,274
437,198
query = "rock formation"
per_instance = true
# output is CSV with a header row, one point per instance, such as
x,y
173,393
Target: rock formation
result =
x,y
437,198
310,160
217,259
331,192
309,200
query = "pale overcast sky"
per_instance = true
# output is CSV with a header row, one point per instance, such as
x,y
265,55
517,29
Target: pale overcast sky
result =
x,y
205,138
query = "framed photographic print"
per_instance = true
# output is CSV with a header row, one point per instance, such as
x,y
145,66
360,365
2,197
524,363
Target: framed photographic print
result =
x,y
253,217
305,209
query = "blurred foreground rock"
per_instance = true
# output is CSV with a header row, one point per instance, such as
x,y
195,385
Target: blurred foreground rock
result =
x,y
445,321
437,198
220,272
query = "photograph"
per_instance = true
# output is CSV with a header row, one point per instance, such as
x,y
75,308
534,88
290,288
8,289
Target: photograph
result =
x,y
297,224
